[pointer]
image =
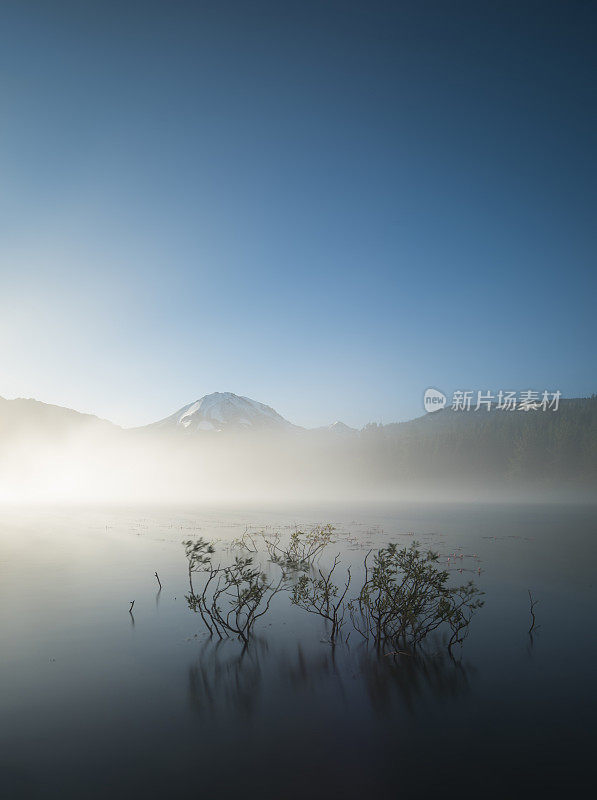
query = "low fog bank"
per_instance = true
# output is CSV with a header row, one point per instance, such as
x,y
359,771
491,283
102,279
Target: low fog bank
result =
x,y
107,465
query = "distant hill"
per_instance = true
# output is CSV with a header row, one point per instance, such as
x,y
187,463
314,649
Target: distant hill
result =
x,y
34,420
339,429
537,446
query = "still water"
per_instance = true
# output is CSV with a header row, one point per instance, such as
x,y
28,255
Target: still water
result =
x,y
97,702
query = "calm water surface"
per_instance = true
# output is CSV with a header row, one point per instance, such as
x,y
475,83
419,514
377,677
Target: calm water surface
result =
x,y
97,703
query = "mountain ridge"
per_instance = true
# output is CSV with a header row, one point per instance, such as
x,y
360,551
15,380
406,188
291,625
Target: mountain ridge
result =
x,y
30,416
220,411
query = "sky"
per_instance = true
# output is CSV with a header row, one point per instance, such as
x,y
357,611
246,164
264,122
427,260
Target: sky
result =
x,y
325,206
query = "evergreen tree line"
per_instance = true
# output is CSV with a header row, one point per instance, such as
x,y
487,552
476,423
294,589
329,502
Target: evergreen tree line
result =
x,y
539,447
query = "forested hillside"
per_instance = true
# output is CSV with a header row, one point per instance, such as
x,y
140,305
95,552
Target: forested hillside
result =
x,y
545,447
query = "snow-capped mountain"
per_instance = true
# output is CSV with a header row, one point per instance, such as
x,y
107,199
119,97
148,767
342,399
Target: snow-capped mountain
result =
x,y
224,411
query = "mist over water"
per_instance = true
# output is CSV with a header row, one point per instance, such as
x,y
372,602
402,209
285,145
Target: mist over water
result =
x,y
102,463
146,703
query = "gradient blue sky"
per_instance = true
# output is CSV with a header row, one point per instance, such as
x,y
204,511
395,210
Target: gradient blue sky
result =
x,y
324,206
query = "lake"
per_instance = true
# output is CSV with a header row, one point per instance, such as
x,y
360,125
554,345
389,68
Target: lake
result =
x,y
99,702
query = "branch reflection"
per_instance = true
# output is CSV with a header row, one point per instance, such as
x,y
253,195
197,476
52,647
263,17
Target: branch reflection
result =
x,y
228,678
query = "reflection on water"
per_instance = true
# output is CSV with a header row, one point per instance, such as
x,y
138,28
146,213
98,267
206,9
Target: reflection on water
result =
x,y
393,680
230,679
227,679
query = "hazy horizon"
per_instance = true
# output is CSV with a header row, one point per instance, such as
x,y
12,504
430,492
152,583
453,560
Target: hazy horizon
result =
x,y
422,412
231,450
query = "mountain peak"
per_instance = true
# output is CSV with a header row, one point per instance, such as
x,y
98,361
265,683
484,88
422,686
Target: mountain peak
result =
x,y
225,410
341,428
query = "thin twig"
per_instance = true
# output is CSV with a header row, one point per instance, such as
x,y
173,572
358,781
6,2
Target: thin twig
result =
x,y
533,604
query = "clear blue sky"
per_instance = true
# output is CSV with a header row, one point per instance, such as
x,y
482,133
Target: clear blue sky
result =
x,y
326,206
